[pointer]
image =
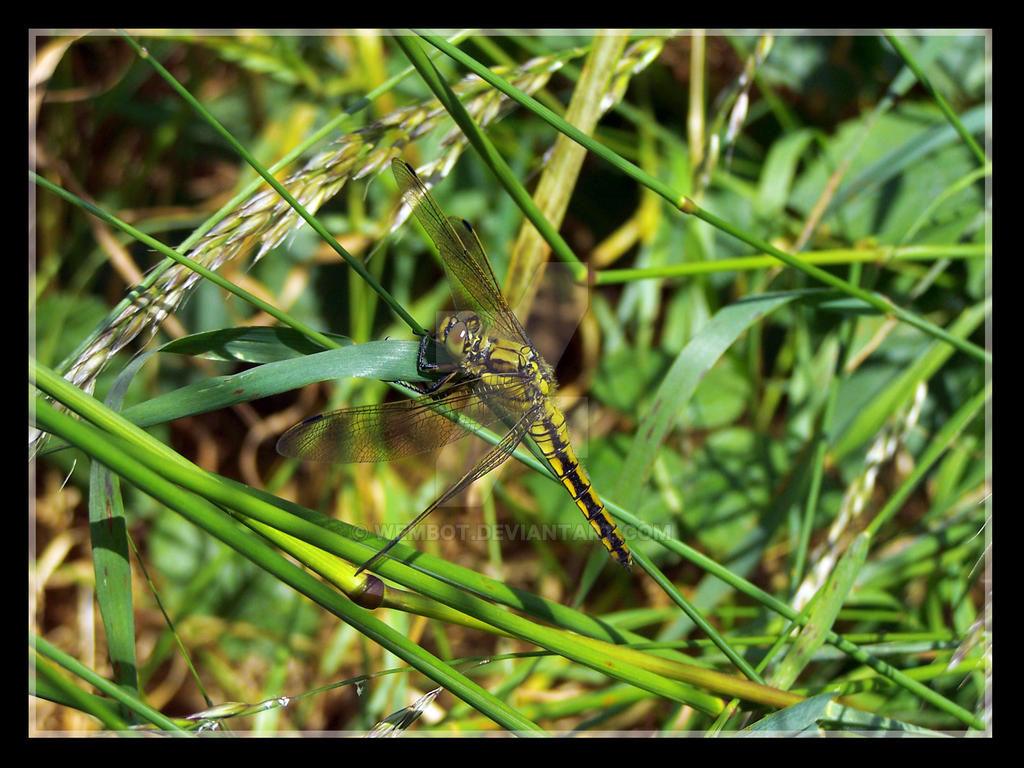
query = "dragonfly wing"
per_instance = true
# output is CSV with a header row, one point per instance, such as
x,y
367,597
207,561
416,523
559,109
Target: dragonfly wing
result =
x,y
495,457
500,317
391,430
470,277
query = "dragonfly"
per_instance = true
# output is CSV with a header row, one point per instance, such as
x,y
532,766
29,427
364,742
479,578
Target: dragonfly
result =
x,y
489,371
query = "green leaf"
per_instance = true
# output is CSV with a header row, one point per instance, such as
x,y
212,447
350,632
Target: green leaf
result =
x,y
689,369
828,601
797,718
876,404
779,170
249,345
385,360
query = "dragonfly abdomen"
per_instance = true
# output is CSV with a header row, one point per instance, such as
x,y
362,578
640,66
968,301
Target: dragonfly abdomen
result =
x,y
552,437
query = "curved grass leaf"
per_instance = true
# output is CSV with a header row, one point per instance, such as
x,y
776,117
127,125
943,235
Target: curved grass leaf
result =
x,y
814,714
683,378
909,154
868,419
387,360
829,600
85,701
48,684
779,171
250,345
133,458
108,537
796,719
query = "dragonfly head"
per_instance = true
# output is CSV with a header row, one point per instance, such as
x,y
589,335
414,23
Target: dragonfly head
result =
x,y
457,333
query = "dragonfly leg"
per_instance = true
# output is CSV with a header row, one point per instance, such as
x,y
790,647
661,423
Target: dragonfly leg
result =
x,y
422,362
429,387
497,455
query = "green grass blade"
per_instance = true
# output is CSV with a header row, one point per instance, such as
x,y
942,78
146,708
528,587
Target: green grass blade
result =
x,y
385,360
48,651
490,155
829,600
869,419
912,152
682,379
923,78
47,683
250,344
112,568
356,265
113,451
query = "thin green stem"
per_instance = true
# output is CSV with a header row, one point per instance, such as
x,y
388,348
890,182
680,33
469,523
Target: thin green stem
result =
x,y
695,616
351,260
138,466
686,205
947,110
936,448
883,255
47,650
199,269
490,155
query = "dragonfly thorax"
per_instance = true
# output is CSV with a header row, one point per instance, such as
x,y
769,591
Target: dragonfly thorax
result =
x,y
478,351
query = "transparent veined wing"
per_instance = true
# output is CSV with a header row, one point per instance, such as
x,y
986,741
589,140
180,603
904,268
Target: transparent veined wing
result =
x,y
402,428
470,276
494,458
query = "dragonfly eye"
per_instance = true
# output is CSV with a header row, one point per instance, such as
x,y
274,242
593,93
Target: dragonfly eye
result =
x,y
455,339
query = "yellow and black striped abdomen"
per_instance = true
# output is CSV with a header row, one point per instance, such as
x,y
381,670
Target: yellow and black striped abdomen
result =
x,y
552,437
